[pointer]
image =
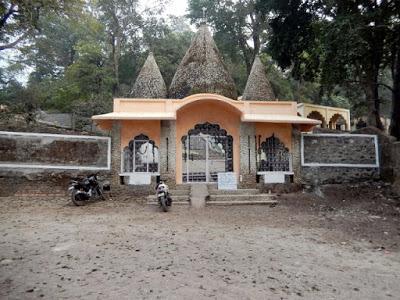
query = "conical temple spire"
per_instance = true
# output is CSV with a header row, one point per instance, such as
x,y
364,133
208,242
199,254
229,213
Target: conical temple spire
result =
x,y
149,83
202,70
258,86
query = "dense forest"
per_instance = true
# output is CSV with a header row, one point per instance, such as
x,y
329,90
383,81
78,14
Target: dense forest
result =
x,y
77,55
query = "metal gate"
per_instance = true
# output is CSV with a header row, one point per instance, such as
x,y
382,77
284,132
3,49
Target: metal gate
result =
x,y
207,151
204,157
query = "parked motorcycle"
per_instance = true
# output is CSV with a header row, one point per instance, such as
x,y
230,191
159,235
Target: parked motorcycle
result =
x,y
82,190
163,197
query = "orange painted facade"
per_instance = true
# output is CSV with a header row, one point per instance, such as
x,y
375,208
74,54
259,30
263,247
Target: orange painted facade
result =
x,y
207,111
143,116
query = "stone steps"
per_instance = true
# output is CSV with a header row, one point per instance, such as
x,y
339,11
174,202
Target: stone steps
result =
x,y
174,198
246,202
241,197
184,187
179,192
173,203
234,192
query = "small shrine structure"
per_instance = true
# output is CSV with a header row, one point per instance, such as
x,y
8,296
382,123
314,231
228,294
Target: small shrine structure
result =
x,y
198,127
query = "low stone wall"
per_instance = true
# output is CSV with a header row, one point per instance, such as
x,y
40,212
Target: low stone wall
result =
x,y
328,175
339,158
45,183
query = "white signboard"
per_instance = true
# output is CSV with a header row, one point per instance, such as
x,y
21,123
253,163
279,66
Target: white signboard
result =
x,y
227,181
274,177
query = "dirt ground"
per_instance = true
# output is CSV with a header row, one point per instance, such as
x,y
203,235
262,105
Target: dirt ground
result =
x,y
343,245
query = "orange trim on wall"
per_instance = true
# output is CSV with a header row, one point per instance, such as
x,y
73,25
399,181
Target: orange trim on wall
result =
x,y
130,129
281,131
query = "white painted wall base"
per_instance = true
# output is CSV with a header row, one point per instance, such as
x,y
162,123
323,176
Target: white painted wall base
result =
x,y
274,177
138,178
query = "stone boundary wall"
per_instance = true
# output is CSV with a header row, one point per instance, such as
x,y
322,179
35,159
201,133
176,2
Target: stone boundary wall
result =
x,y
339,158
41,164
36,152
395,155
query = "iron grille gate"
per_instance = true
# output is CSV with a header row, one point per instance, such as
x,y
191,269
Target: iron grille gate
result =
x,y
207,151
274,156
140,156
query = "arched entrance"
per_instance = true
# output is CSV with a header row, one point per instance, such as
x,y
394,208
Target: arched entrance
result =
x,y
206,151
338,122
274,156
140,156
317,116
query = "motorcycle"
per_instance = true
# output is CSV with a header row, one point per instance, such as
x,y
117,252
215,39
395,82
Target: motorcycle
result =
x,y
82,190
163,197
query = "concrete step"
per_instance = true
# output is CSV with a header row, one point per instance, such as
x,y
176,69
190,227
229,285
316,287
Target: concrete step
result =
x,y
245,197
185,187
234,192
179,192
250,202
173,203
174,198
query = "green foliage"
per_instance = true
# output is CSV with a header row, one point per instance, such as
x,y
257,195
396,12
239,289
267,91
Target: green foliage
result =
x,y
335,43
20,19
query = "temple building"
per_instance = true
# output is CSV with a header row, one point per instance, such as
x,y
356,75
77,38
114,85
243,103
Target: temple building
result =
x,y
199,128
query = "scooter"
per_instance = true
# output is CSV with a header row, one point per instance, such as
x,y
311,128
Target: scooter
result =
x,y
163,197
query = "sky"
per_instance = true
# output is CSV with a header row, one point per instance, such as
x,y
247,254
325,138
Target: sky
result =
x,y
174,7
177,7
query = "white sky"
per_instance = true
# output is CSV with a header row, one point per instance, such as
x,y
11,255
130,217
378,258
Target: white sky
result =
x,y
173,7
177,7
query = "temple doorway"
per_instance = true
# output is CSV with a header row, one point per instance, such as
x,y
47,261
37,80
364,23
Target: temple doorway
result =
x,y
206,151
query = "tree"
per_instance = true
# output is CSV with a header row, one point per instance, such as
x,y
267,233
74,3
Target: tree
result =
x,y
336,42
19,19
124,23
54,48
394,59
239,27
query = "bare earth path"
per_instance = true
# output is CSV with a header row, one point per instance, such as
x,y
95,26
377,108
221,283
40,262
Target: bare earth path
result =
x,y
123,250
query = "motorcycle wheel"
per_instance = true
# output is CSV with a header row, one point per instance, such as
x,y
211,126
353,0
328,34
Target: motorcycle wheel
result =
x,y
76,198
100,194
164,205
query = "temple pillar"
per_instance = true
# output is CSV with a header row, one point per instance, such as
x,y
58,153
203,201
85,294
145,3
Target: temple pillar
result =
x,y
296,155
248,168
168,152
115,152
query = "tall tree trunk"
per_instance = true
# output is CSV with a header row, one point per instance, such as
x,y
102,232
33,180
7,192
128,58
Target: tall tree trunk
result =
x,y
373,104
116,57
115,54
247,53
395,121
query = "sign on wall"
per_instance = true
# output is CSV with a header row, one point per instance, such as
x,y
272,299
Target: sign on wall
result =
x,y
227,181
339,150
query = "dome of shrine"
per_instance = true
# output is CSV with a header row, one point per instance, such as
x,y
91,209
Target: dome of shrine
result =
x,y
202,70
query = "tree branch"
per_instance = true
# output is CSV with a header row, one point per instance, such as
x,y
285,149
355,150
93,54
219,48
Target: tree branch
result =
x,y
363,82
14,43
7,15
